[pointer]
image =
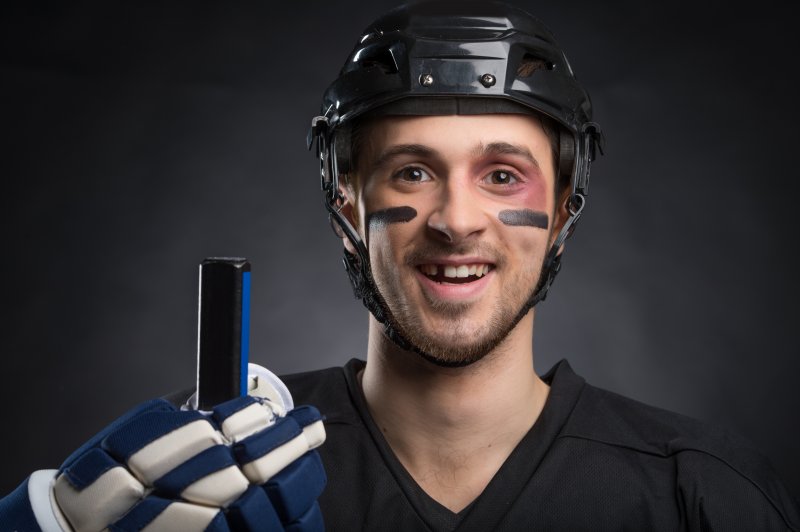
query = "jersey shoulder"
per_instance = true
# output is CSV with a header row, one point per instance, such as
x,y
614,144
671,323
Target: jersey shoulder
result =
x,y
618,420
715,469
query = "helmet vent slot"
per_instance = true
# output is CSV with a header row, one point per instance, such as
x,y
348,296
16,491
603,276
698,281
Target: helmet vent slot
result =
x,y
530,64
380,57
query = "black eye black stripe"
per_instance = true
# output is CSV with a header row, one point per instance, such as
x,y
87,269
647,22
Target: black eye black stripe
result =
x,y
392,215
525,217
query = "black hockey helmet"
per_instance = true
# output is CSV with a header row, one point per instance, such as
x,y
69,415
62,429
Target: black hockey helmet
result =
x,y
454,57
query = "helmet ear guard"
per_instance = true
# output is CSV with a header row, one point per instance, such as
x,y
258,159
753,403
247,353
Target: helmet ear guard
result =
x,y
566,154
344,148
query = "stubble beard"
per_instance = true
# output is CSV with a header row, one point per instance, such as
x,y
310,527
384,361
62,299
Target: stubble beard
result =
x,y
461,342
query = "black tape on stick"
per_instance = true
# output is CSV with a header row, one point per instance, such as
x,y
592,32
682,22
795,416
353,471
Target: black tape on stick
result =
x,y
223,330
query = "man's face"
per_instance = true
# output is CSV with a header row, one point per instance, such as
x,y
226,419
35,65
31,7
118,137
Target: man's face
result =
x,y
457,213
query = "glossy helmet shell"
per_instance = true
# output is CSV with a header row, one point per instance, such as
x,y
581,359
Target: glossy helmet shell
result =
x,y
461,57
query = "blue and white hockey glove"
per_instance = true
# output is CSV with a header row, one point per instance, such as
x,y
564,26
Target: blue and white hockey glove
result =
x,y
247,465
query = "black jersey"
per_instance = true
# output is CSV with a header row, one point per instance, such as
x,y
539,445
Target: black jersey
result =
x,y
594,460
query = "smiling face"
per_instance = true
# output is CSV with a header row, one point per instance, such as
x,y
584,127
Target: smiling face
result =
x,y
457,213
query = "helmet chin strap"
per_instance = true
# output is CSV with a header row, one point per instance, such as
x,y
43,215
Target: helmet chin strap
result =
x,y
552,263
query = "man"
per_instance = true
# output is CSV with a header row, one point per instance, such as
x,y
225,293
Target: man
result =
x,y
455,151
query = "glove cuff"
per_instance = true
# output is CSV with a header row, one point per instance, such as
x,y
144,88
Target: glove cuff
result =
x,y
45,510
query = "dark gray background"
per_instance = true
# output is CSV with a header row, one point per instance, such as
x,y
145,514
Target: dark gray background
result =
x,y
140,138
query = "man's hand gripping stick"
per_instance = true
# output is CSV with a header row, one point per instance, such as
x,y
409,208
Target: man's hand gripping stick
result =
x,y
224,461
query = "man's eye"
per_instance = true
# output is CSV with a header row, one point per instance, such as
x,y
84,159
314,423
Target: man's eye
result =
x,y
501,177
413,174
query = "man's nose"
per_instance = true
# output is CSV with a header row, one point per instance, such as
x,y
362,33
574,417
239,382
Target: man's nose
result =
x,y
458,213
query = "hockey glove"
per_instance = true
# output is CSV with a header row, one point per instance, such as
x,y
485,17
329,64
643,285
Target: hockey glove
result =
x,y
246,465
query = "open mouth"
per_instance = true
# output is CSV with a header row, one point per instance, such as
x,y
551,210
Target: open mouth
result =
x,y
449,273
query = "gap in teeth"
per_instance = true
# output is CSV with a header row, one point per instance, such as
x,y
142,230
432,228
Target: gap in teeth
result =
x,y
464,270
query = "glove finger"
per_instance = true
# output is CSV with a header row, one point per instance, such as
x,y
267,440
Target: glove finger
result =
x,y
244,416
253,511
211,477
154,514
311,521
154,405
96,490
265,453
295,489
310,420
156,442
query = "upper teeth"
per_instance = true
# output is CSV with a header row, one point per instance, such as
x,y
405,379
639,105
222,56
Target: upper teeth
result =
x,y
464,270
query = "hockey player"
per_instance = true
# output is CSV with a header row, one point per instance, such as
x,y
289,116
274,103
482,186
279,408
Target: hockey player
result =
x,y
455,149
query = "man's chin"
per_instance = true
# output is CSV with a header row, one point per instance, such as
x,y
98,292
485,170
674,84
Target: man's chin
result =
x,y
453,352
458,342
449,361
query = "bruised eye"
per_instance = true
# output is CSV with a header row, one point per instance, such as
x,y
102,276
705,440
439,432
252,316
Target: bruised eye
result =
x,y
501,177
413,174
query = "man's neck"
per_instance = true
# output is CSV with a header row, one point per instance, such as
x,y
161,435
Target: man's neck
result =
x,y
452,428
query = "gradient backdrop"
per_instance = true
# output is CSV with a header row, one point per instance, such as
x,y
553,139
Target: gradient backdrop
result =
x,y
138,139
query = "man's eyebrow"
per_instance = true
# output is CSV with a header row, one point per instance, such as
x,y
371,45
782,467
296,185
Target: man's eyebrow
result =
x,y
419,150
504,148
